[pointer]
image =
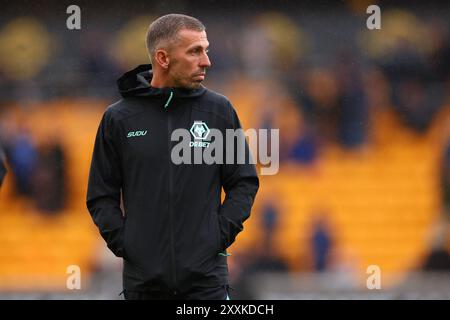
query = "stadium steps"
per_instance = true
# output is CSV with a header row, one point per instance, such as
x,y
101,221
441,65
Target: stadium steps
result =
x,y
35,249
380,203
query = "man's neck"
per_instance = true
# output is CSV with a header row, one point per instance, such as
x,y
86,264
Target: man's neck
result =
x,y
159,81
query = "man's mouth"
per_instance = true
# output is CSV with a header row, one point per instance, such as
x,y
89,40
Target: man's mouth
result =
x,y
200,75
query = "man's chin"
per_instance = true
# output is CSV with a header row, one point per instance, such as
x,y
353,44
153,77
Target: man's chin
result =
x,y
196,85
191,85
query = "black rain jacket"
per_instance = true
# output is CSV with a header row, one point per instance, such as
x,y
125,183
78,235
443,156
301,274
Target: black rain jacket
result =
x,y
170,228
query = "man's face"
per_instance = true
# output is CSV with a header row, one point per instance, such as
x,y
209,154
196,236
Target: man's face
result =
x,y
189,59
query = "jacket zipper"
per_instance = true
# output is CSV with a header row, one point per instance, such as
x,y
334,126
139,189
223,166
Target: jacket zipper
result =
x,y
172,241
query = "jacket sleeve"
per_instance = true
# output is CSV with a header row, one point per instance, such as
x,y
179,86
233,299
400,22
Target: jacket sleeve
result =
x,y
104,187
240,183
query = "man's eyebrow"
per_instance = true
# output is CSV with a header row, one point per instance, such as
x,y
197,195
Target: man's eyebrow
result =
x,y
198,46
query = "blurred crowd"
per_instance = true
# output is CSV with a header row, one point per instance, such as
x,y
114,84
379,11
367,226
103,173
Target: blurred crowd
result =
x,y
321,87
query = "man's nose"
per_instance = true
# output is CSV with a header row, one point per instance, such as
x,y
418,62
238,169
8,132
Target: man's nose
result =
x,y
204,61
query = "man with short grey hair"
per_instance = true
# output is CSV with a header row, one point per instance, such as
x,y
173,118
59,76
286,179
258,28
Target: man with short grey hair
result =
x,y
174,231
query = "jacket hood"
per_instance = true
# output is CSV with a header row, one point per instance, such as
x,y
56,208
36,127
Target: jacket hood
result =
x,y
136,83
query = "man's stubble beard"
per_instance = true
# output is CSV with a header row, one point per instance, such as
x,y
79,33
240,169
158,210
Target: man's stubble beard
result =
x,y
188,84
196,85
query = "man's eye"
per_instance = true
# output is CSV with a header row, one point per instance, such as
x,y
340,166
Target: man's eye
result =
x,y
198,50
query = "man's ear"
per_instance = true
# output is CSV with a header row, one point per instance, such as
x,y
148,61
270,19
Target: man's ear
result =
x,y
162,58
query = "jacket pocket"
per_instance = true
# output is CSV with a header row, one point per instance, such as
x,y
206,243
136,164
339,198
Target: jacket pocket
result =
x,y
124,244
218,235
